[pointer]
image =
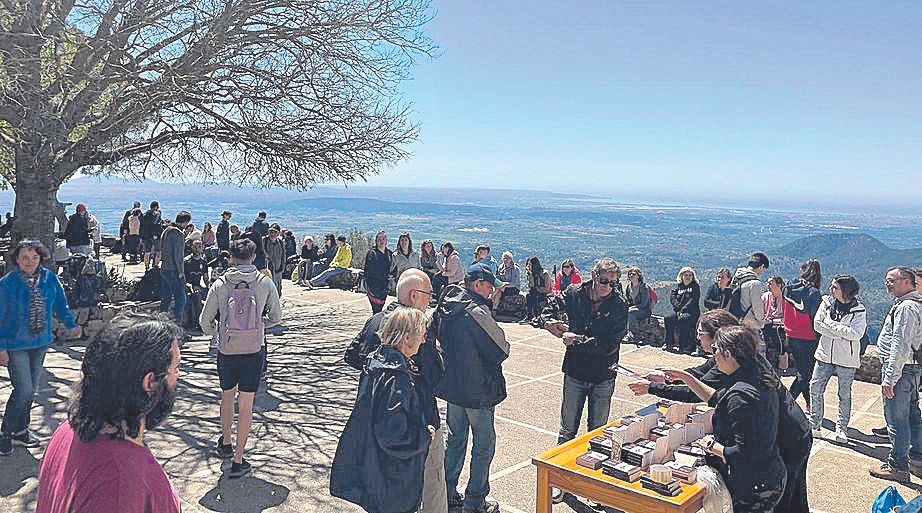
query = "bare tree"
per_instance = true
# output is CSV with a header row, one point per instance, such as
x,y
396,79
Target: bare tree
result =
x,y
267,92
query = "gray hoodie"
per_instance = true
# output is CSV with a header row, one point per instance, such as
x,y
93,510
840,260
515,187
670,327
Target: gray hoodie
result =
x,y
267,297
751,296
899,336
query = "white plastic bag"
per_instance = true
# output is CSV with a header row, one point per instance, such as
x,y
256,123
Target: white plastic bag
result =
x,y
717,496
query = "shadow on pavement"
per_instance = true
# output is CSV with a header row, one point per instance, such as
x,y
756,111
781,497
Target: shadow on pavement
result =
x,y
18,469
247,494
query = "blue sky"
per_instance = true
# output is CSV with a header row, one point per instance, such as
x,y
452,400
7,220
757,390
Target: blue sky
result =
x,y
781,103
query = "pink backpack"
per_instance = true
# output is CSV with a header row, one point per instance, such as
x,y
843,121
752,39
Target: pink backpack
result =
x,y
241,331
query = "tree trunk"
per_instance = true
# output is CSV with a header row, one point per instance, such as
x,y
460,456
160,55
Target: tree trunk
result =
x,y
36,198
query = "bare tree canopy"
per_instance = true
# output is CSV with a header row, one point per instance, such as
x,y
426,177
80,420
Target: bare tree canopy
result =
x,y
268,92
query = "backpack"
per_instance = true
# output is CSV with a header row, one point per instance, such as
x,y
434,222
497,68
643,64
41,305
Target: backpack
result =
x,y
241,328
653,295
148,287
735,303
364,343
887,501
798,323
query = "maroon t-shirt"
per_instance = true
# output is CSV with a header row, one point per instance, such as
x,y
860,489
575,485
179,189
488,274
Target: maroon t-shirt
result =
x,y
103,476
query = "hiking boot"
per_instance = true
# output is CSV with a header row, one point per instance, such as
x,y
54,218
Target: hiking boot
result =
x,y
488,506
881,431
223,450
239,469
455,500
890,474
26,438
6,445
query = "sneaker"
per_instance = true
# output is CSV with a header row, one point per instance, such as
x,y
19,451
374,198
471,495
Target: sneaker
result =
x,y
239,469
556,495
488,506
26,438
841,436
6,445
223,450
881,431
890,474
455,500
597,506
817,433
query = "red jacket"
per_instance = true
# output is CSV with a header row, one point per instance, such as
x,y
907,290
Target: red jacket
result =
x,y
574,279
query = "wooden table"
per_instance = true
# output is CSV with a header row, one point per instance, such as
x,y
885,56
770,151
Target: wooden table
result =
x,y
557,468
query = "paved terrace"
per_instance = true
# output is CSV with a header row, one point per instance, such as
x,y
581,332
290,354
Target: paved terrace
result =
x,y
310,394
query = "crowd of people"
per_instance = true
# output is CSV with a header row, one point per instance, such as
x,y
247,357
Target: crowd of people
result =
x,y
396,454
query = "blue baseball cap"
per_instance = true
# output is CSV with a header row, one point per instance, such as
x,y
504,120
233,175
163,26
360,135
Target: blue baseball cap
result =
x,y
482,272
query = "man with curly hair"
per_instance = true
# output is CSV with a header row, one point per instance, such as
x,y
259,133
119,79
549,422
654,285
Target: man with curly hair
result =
x,y
97,461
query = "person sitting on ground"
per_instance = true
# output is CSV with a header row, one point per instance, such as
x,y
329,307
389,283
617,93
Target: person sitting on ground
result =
x,y
241,339
414,290
510,275
794,440
429,261
539,283
841,321
338,265
219,265
31,296
718,294
97,460
591,319
209,238
482,256
378,264
639,303
329,250
743,450
196,271
381,455
310,253
773,330
453,273
568,275
235,233
801,302
404,257
684,299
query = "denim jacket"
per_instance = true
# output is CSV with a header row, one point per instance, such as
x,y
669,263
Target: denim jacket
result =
x,y
14,310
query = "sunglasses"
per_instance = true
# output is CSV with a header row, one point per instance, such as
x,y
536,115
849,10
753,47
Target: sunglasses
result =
x,y
566,267
29,243
604,281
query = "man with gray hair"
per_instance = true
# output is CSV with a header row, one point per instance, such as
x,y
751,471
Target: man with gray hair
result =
x,y
414,290
899,346
591,319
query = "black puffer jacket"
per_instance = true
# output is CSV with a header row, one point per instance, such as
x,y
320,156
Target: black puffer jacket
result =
x,y
593,358
382,452
685,299
474,348
717,297
377,271
78,231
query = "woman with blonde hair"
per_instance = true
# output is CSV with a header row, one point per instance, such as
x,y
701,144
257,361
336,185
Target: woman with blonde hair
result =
x,y
685,298
381,455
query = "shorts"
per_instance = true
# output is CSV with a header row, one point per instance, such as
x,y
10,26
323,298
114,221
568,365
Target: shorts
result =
x,y
152,246
239,370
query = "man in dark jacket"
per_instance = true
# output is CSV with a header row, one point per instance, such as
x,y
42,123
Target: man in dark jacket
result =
x,y
151,230
172,274
123,229
275,255
475,348
222,234
591,319
414,290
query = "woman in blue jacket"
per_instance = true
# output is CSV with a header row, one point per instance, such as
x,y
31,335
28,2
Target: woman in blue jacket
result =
x,y
28,297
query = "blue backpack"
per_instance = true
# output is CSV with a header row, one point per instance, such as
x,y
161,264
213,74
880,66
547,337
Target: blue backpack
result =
x,y
887,500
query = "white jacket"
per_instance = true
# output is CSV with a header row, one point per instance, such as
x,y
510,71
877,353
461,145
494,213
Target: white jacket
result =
x,y
840,341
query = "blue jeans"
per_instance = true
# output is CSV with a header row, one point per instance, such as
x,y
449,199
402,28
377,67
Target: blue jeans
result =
x,y
904,420
575,394
821,374
173,290
25,370
317,268
321,279
479,421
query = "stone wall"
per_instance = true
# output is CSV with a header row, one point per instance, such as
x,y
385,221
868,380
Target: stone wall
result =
x,y
94,318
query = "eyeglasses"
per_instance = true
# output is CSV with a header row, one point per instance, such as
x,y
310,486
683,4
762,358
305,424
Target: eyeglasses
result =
x,y
426,292
566,267
29,243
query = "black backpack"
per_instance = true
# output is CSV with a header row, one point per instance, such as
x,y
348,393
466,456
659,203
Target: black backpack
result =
x,y
735,302
148,288
365,342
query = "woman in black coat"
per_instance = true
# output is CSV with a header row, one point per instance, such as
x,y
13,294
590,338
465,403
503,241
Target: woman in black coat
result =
x,y
685,299
743,447
718,295
382,452
377,270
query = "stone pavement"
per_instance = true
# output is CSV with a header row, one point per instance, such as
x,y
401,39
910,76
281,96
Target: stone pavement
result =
x,y
310,394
